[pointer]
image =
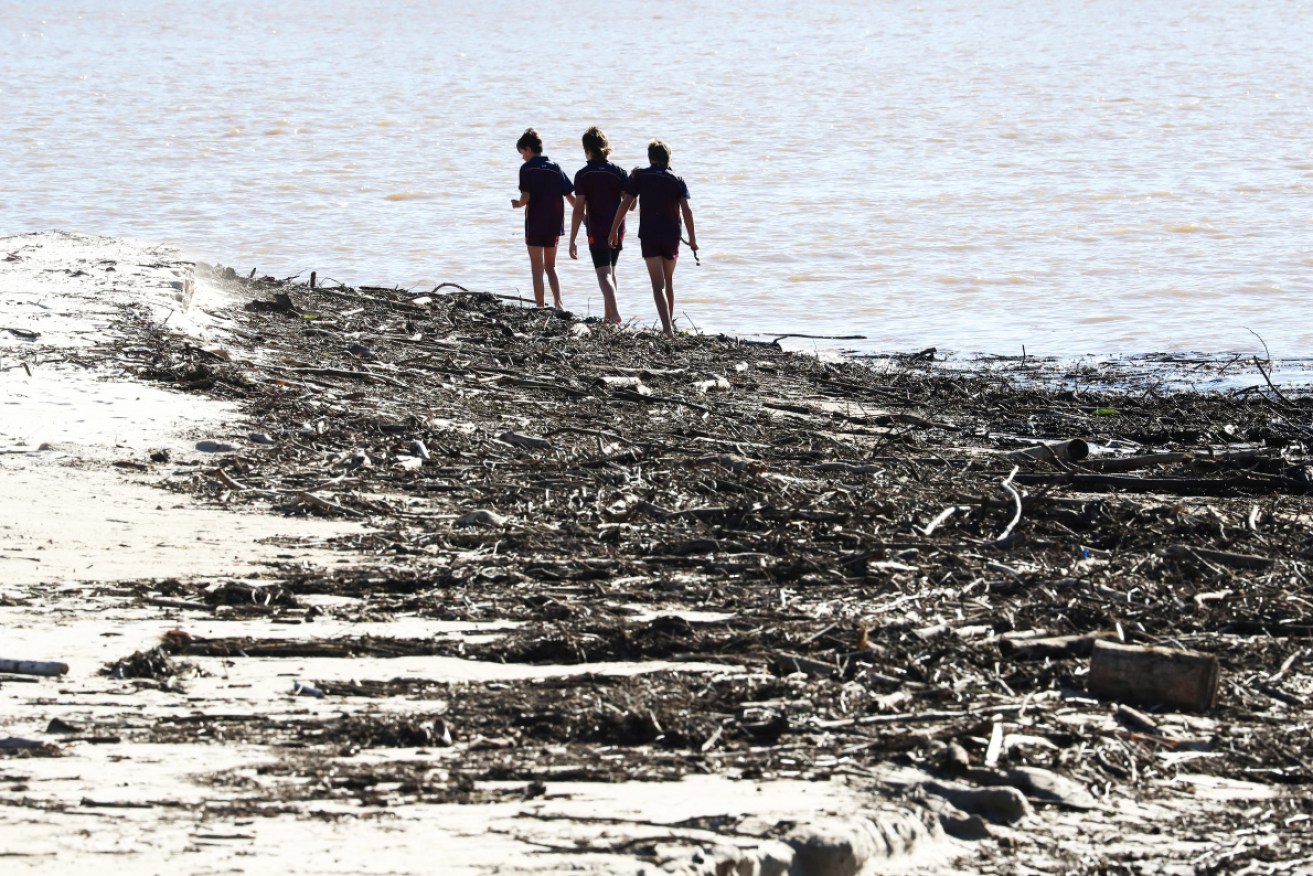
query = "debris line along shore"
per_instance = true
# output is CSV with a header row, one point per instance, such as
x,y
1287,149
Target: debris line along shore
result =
x,y
1002,608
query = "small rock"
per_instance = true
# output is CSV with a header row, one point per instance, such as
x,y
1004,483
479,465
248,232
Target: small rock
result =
x,y
962,826
954,760
532,442
834,847
1051,787
260,438
715,383
1001,805
774,859
160,456
208,446
480,517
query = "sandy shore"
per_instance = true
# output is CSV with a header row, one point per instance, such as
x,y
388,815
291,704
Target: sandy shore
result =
x,y
69,516
72,525
558,658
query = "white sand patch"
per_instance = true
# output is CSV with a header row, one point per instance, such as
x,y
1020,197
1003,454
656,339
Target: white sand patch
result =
x,y
62,523
84,414
63,515
70,288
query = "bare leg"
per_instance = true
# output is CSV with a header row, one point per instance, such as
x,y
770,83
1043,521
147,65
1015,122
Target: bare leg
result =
x,y
549,264
606,280
656,270
536,264
668,266
615,287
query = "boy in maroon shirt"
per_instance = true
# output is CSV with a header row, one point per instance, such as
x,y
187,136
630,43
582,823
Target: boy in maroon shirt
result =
x,y
599,187
542,186
663,197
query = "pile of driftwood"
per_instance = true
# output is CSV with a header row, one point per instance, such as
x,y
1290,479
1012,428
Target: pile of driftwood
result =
x,y
967,571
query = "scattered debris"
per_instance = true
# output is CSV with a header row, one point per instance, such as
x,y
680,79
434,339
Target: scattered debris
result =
x,y
825,568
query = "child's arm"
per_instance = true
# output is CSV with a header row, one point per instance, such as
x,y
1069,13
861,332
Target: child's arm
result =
x,y
614,237
580,208
571,199
688,222
522,201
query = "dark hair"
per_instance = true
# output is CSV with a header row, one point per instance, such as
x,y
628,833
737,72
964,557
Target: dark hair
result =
x,y
530,140
596,143
658,152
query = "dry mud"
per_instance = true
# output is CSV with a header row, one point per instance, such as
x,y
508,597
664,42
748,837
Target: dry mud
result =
x,y
485,589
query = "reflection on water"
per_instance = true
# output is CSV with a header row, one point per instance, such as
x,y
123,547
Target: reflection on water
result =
x,y
976,176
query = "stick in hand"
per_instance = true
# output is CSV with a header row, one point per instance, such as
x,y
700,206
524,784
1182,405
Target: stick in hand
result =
x,y
697,261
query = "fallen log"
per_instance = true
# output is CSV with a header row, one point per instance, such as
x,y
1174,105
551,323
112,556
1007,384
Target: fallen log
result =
x,y
847,468
1154,676
787,664
1071,450
321,504
630,395
525,383
17,743
1134,463
1219,486
33,667
1221,558
341,372
191,605
627,381
229,481
1053,647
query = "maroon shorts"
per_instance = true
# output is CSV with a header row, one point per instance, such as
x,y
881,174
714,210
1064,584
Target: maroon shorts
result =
x,y
659,248
548,241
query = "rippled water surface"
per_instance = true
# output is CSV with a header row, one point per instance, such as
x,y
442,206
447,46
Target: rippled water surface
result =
x,y
1072,177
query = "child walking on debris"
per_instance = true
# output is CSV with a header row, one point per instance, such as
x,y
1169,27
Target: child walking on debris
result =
x,y
599,187
662,197
543,185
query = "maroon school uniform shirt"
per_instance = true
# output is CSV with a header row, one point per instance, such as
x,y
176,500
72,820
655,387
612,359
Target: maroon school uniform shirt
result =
x,y
547,186
658,192
601,184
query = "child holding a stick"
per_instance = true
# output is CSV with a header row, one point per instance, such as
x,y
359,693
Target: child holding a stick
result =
x,y
663,199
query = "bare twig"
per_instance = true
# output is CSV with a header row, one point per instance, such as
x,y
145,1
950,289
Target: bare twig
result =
x,y
1016,497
